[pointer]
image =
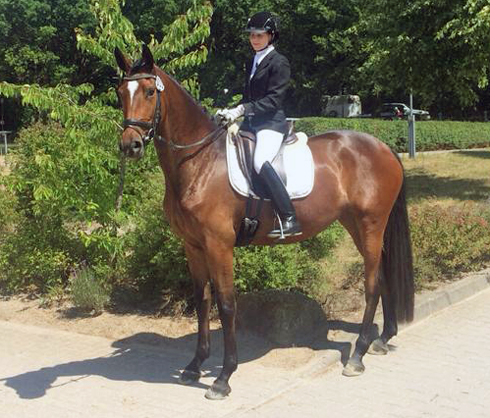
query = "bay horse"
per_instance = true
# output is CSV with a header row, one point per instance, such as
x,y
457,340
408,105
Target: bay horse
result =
x,y
358,181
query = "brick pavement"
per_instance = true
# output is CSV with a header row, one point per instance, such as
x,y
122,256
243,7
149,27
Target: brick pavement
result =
x,y
440,369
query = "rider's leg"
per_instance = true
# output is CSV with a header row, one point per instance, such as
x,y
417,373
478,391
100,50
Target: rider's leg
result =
x,y
268,144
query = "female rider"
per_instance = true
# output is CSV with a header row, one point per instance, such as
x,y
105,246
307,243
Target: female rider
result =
x,y
267,79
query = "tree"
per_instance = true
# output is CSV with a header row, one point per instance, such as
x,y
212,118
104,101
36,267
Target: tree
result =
x,y
39,46
437,48
38,42
67,181
180,50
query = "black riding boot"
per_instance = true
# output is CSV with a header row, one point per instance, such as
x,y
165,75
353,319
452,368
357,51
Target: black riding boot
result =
x,y
282,203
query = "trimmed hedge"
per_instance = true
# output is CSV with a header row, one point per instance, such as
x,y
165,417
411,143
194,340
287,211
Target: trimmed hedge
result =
x,y
430,135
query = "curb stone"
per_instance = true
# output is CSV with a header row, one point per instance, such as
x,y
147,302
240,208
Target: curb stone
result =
x,y
447,151
431,302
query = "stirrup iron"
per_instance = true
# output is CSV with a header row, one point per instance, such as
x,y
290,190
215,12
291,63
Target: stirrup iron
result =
x,y
280,227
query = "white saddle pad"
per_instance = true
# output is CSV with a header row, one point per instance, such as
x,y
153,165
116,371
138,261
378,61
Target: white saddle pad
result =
x,y
298,164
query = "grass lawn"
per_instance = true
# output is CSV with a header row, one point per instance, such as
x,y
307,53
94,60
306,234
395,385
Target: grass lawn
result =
x,y
462,176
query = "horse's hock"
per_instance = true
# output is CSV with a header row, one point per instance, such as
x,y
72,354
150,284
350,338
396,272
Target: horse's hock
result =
x,y
284,318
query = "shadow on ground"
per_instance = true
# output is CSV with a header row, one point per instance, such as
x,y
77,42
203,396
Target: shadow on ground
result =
x,y
153,358
422,185
476,154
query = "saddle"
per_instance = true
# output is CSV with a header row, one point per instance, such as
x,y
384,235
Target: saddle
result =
x,y
293,163
245,143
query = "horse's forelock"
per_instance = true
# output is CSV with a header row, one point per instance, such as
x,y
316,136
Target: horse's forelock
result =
x,y
137,66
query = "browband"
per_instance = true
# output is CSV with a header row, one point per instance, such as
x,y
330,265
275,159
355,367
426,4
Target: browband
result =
x,y
139,76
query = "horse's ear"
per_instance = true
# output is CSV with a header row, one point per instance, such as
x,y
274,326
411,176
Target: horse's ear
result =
x,y
121,60
147,58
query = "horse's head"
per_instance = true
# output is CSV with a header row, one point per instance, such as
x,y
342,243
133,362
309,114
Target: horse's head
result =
x,y
139,92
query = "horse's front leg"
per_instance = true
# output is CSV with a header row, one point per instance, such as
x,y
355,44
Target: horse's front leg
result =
x,y
220,264
202,294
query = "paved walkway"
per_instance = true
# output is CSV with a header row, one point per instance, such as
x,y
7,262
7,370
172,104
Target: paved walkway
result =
x,y
440,369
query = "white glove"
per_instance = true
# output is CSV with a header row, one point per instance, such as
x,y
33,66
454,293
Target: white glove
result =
x,y
231,115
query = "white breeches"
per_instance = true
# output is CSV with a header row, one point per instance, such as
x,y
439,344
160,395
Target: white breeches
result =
x,y
267,147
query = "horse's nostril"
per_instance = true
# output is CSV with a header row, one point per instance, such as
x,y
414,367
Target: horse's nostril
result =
x,y
136,145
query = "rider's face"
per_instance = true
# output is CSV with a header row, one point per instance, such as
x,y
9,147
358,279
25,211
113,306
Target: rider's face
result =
x,y
259,40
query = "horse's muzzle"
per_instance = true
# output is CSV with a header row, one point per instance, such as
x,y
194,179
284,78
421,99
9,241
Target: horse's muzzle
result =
x,y
132,147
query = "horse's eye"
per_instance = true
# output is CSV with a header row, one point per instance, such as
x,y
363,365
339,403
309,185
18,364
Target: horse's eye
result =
x,y
150,92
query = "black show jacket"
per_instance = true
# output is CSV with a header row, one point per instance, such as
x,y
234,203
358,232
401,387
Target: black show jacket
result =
x,y
265,93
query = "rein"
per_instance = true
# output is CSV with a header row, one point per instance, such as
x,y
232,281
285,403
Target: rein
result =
x,y
152,126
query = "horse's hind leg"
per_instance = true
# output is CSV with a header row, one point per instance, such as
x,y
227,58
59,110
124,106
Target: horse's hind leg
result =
x,y
390,328
202,295
368,236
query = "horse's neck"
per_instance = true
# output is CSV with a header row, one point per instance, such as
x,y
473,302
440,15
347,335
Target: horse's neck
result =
x,y
184,123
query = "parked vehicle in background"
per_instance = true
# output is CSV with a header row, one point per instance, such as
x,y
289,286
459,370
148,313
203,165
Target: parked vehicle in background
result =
x,y
343,106
393,111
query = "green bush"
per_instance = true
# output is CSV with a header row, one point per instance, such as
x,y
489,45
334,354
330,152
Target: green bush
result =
x,y
9,216
279,267
35,257
64,219
321,245
87,291
59,199
62,190
430,135
449,240
284,266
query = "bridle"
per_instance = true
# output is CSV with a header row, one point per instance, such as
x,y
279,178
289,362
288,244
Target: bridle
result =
x,y
151,127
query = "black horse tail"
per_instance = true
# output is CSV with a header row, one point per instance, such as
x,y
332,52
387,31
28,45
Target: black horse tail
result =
x,y
397,260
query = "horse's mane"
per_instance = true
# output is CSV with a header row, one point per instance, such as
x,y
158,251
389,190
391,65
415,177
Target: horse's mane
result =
x,y
139,65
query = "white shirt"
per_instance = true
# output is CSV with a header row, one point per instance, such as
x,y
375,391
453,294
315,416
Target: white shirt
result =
x,y
259,56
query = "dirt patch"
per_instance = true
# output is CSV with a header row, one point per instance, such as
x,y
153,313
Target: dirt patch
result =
x,y
107,325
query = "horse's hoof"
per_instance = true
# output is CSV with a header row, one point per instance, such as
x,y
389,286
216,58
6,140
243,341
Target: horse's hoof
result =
x,y
218,391
378,347
352,369
188,377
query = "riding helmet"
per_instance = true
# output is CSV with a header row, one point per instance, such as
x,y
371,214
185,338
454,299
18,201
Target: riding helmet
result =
x,y
263,22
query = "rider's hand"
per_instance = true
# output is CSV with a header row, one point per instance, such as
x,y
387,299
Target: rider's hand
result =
x,y
231,115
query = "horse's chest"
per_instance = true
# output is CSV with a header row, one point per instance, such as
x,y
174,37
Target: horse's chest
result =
x,y
179,218
174,216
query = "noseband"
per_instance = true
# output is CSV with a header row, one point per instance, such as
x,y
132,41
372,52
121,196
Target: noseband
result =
x,y
150,126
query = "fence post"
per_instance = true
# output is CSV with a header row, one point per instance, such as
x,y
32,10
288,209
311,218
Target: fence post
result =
x,y
411,130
